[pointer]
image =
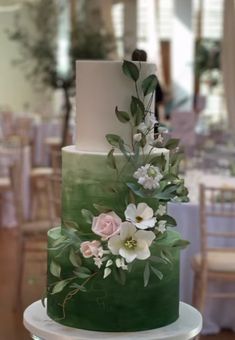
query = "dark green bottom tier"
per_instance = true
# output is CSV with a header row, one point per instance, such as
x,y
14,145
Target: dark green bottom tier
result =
x,y
112,307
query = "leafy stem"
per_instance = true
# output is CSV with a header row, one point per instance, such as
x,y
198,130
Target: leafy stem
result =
x,y
74,292
137,91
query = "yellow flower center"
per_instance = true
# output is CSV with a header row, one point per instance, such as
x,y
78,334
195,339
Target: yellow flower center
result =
x,y
139,219
130,244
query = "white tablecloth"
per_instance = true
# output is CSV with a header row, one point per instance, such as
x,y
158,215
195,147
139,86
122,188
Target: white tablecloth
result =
x,y
219,313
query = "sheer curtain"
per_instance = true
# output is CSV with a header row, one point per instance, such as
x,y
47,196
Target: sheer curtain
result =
x,y
228,60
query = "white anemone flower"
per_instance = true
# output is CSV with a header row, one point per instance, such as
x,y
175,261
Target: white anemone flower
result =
x,y
148,176
131,244
141,216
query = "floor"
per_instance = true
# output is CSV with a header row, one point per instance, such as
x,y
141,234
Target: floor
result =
x,y
11,327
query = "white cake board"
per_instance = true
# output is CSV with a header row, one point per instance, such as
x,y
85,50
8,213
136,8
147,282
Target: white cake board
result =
x,y
37,322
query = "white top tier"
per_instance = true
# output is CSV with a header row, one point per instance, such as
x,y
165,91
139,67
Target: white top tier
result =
x,y
100,87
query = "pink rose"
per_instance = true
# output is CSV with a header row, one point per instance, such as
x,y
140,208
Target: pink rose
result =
x,y
89,249
106,225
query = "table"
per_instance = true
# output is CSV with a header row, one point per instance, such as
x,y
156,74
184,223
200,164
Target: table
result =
x,y
38,323
219,313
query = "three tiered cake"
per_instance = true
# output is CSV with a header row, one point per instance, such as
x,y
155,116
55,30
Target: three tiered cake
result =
x,y
113,265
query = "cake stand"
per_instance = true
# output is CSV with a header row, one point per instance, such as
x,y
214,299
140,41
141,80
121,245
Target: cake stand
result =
x,y
41,327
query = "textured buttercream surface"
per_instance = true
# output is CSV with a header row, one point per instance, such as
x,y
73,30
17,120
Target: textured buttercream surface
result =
x,y
108,305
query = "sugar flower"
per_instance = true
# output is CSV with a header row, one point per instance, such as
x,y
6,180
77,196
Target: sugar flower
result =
x,y
89,249
106,225
161,226
137,137
148,176
148,124
120,263
161,210
131,244
141,216
98,261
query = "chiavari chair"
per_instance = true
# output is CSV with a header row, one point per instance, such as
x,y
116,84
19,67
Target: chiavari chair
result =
x,y
216,260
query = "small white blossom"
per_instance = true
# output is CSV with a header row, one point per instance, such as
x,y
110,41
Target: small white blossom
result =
x,y
148,124
107,272
98,262
148,176
137,137
161,210
120,263
161,226
141,216
131,244
100,252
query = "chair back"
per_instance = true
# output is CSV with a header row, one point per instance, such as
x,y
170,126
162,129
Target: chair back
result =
x,y
56,161
23,130
54,192
15,177
217,218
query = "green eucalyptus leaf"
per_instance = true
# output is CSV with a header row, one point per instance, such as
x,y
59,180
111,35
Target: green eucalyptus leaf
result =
x,y
59,241
87,215
111,160
55,269
137,110
77,286
74,258
58,287
181,243
101,208
170,221
83,275
167,193
157,259
157,272
131,197
70,224
149,84
136,189
172,143
122,116
167,255
159,161
130,70
146,274
114,140
72,235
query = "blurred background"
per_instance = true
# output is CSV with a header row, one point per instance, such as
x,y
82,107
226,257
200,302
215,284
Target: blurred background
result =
x,y
192,44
